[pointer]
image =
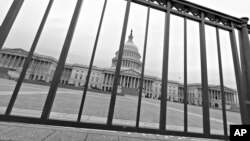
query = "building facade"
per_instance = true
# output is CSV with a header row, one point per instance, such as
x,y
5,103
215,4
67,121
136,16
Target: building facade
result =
x,y
194,95
42,68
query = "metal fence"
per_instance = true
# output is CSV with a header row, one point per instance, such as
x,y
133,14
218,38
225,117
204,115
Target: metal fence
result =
x,y
186,10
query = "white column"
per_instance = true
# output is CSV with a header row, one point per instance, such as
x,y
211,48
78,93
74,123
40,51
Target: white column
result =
x,y
66,73
134,81
151,83
231,96
131,84
235,98
105,77
125,80
13,62
5,57
9,58
17,64
129,81
8,61
48,66
109,79
226,98
37,65
41,67
120,80
147,85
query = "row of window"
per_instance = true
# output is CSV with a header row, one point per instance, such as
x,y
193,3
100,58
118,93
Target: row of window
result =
x,y
81,71
92,78
131,55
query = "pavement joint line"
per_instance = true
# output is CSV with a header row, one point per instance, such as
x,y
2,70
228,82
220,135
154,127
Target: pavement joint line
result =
x,y
86,137
49,135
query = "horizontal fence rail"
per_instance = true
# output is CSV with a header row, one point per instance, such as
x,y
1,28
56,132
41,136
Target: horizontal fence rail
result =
x,y
184,9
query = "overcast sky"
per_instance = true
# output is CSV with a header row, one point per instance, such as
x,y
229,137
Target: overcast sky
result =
x,y
51,42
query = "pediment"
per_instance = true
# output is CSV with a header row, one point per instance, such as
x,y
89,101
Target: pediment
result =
x,y
17,50
130,72
225,88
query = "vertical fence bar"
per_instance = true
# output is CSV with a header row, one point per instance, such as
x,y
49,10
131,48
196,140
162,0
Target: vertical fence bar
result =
x,y
243,68
91,63
185,77
57,75
142,72
9,20
163,108
245,59
118,67
246,44
241,52
240,81
28,59
205,98
224,116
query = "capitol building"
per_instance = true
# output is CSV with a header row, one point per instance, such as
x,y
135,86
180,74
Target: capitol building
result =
x,y
42,68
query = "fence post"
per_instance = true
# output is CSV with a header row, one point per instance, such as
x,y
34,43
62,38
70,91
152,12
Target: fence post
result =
x,y
164,89
205,98
245,68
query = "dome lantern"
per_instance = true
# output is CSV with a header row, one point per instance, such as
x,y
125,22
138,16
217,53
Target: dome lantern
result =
x,y
130,37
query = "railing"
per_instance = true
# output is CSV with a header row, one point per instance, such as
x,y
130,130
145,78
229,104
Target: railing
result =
x,y
186,10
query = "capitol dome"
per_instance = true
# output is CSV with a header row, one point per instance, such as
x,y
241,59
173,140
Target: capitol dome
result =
x,y
131,56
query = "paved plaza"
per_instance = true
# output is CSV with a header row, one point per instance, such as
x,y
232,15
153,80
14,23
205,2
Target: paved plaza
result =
x,y
31,99
31,132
